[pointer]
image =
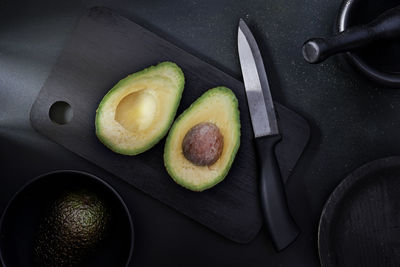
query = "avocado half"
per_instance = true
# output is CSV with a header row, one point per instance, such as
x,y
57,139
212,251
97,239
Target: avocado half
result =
x,y
218,106
138,111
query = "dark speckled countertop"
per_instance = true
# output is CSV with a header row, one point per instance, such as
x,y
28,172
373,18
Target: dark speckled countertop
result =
x,y
353,121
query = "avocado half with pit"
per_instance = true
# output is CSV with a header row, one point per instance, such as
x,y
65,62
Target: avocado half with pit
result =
x,y
138,111
202,143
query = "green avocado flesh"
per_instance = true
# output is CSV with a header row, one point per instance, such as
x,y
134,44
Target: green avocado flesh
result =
x,y
216,107
138,111
73,227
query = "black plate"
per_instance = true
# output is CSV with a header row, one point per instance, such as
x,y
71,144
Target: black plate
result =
x,y
23,213
360,223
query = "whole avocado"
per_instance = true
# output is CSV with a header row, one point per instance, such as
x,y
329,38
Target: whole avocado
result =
x,y
73,227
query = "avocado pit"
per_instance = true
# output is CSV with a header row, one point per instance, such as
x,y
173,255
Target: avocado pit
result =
x,y
203,144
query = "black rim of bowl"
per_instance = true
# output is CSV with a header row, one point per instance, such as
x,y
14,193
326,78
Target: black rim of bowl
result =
x,y
94,177
384,78
337,195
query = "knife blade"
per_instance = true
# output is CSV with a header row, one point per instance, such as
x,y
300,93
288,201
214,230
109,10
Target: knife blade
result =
x,y
274,207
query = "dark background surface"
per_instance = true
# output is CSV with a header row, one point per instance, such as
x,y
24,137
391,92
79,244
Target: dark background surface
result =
x,y
352,120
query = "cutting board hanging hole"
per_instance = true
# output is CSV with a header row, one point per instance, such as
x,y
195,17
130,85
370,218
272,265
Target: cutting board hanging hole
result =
x,y
61,112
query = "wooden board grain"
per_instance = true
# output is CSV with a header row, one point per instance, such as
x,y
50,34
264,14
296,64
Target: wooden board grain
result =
x,y
360,222
106,47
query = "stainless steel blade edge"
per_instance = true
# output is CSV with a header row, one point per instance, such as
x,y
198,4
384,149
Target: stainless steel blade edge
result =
x,y
259,98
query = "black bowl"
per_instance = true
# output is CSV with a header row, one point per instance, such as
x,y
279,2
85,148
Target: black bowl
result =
x,y
22,216
379,61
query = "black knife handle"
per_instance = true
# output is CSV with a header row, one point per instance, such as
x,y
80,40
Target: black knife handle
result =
x,y
274,207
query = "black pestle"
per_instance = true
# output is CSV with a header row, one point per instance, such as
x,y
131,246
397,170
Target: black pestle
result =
x,y
385,26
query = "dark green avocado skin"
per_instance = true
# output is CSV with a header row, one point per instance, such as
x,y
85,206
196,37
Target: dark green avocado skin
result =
x,y
73,227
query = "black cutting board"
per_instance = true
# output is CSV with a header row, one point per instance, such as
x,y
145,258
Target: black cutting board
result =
x,y
104,48
360,223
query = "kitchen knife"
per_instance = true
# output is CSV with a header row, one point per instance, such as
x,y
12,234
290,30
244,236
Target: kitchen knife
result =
x,y
274,207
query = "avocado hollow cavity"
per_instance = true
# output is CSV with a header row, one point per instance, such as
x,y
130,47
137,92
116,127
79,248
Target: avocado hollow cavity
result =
x,y
136,111
203,144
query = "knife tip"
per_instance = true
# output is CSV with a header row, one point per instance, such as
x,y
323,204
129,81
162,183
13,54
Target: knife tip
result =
x,y
242,24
